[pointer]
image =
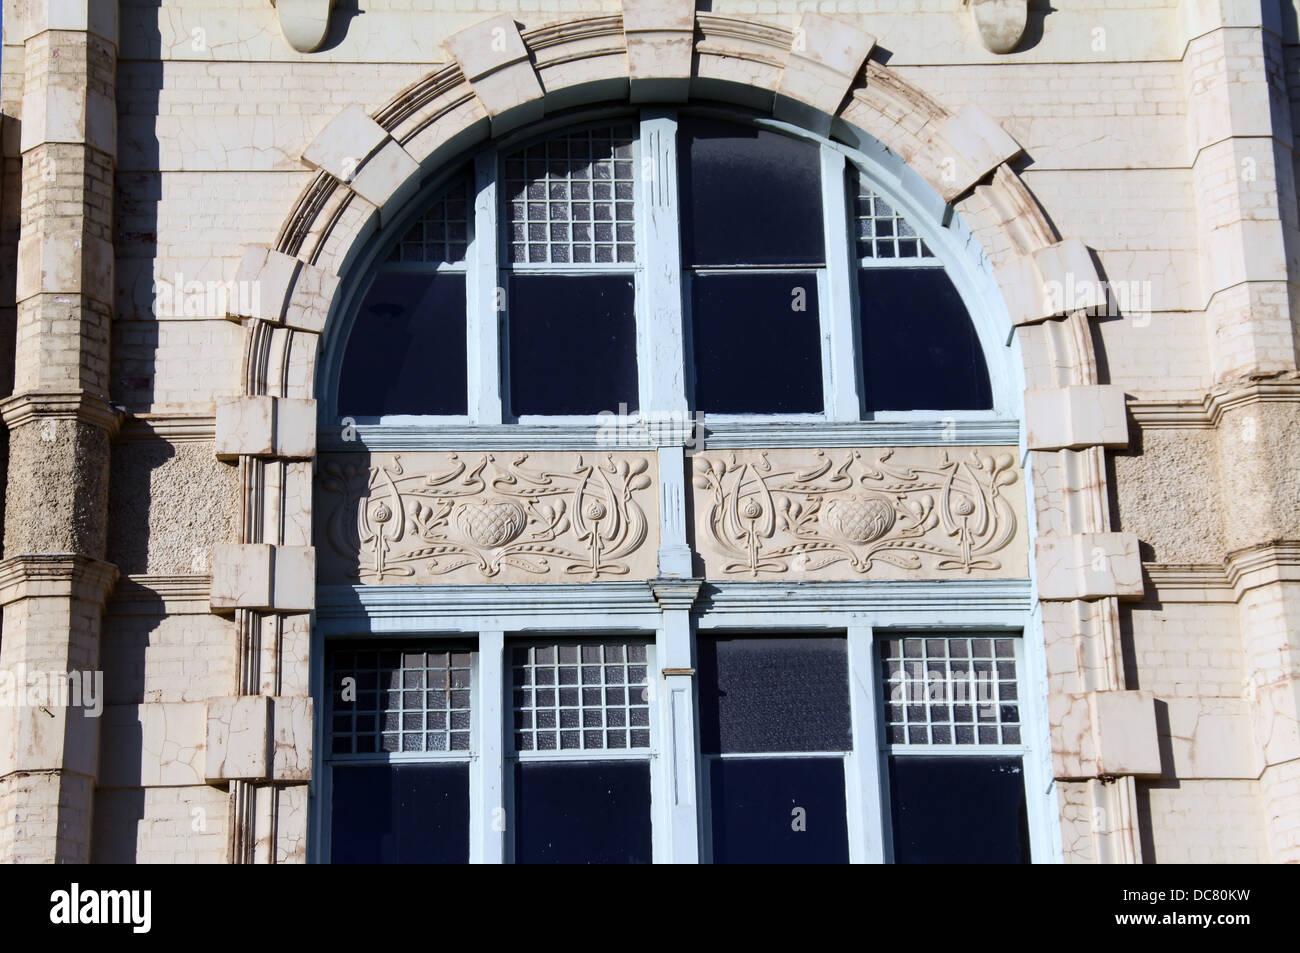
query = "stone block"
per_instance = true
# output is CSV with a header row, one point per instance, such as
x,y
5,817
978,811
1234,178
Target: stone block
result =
x,y
1089,566
1073,417
238,738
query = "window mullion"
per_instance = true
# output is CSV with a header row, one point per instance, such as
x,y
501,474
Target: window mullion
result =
x,y
838,315
867,820
484,298
487,770
660,350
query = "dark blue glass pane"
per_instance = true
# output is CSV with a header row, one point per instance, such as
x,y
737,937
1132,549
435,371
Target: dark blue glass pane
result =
x,y
406,352
774,694
757,343
572,344
749,196
594,812
958,810
778,811
919,347
400,814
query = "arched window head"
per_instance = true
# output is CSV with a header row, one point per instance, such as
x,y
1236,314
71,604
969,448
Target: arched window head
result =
x,y
691,260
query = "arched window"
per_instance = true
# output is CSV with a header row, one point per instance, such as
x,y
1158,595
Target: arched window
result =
x,y
547,283
830,695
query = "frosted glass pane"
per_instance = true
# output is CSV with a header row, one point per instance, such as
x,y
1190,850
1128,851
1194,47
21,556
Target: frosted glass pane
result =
x,y
774,694
749,196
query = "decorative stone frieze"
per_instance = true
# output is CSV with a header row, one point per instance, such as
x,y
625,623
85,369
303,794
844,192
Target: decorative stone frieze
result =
x,y
487,517
903,513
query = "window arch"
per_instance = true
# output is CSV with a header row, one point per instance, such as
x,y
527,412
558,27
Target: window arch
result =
x,y
659,261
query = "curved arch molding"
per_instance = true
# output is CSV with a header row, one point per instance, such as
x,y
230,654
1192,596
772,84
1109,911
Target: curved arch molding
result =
x,y
820,75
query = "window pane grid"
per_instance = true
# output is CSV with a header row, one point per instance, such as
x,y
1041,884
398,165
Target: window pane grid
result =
x,y
882,232
571,199
950,691
400,701
580,697
440,235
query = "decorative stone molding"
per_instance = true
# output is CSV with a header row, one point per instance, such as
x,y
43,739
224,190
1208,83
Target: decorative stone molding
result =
x,y
1071,417
519,517
1000,23
675,594
42,575
263,576
856,514
1263,565
304,23
660,40
826,58
266,427
173,428
494,60
27,408
1089,566
1104,734
962,151
1051,281
1187,583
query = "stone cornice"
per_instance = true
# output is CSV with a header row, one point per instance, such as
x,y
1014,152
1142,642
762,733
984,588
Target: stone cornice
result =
x,y
1206,412
55,575
150,594
1186,582
170,427
22,409
1262,565
1280,389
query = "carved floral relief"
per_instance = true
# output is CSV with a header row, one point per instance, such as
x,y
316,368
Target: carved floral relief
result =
x,y
487,517
903,513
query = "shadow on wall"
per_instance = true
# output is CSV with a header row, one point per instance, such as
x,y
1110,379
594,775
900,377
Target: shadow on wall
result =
x,y
137,196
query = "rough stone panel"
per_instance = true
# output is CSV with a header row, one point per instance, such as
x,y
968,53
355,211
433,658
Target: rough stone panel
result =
x,y
57,497
186,498
175,825
1167,492
1259,468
